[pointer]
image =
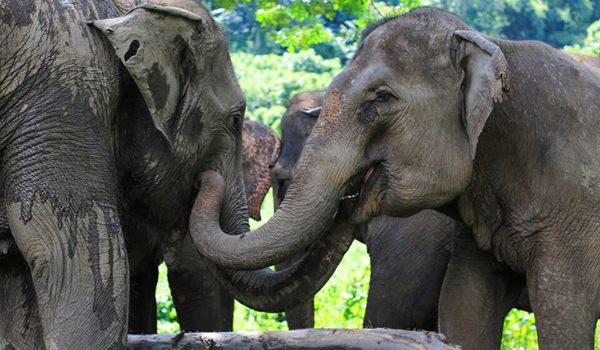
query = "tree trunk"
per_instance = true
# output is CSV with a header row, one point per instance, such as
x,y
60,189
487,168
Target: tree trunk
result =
x,y
305,339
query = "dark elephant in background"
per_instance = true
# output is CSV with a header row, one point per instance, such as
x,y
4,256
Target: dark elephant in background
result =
x,y
107,118
301,316
408,256
503,135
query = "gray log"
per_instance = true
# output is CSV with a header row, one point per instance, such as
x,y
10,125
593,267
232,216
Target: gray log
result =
x,y
303,339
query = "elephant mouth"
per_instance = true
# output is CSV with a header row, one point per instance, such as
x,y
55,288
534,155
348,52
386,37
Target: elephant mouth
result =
x,y
356,189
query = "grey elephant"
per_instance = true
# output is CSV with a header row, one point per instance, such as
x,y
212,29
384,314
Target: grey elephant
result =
x,y
408,256
107,118
503,134
201,303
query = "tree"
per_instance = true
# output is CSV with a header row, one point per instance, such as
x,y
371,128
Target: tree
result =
x,y
591,43
556,22
330,25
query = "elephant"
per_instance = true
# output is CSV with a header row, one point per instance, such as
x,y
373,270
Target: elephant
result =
x,y
109,113
409,256
260,151
260,148
301,316
501,135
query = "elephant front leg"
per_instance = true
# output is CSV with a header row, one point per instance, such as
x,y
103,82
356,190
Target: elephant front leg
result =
x,y
564,289
79,270
201,303
20,326
477,292
142,300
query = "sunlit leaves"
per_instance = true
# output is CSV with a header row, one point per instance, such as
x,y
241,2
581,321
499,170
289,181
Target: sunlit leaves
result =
x,y
300,24
591,43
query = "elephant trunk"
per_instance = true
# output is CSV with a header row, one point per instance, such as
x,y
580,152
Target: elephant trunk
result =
x,y
308,209
267,290
276,291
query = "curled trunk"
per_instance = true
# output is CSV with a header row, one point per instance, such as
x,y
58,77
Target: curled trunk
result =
x,y
276,291
309,208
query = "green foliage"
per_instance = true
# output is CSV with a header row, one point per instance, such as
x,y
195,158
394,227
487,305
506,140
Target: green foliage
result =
x,y
591,43
259,26
331,27
557,22
269,81
519,331
166,314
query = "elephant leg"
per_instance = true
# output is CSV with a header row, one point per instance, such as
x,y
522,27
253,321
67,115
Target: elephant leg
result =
x,y
565,299
142,299
409,258
477,292
20,326
79,272
303,315
201,303
62,212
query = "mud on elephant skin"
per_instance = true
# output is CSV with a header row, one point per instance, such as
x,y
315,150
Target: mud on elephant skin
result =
x,y
409,256
431,113
106,123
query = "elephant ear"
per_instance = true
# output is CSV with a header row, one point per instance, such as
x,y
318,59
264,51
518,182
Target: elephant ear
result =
x,y
486,82
152,41
312,112
260,151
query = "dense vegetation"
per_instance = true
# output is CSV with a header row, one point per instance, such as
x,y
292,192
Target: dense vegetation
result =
x,y
273,61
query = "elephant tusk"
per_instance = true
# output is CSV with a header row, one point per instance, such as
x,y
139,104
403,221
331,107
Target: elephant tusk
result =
x,y
351,196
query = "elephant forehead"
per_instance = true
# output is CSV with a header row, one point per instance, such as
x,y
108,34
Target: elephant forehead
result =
x,y
332,109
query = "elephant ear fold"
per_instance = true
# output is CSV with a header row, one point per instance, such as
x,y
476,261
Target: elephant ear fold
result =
x,y
485,83
152,41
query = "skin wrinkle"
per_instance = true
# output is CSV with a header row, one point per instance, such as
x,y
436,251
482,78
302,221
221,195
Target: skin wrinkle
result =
x,y
59,134
397,248
524,172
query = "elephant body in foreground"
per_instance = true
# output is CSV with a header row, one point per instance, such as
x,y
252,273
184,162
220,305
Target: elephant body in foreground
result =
x,y
105,124
428,114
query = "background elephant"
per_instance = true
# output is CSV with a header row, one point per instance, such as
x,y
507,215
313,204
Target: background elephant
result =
x,y
409,256
260,151
431,114
105,126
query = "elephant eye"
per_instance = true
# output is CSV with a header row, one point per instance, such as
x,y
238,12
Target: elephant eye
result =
x,y
383,95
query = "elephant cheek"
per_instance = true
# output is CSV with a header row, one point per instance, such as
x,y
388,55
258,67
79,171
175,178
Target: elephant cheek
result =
x,y
371,198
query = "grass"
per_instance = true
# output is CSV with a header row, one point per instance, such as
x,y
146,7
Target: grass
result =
x,y
341,303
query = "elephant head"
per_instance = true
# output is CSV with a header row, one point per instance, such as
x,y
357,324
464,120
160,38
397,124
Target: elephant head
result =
x,y
261,148
296,124
397,133
180,64
191,120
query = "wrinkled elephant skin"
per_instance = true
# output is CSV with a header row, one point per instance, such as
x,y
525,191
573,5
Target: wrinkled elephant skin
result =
x,y
437,114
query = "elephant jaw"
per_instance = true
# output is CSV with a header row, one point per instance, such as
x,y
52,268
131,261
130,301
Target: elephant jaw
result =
x,y
357,186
